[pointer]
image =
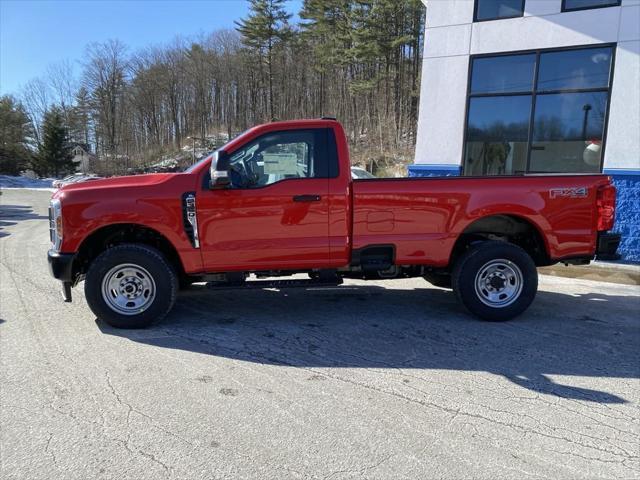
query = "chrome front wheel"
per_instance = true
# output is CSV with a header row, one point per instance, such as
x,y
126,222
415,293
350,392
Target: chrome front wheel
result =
x,y
128,289
130,286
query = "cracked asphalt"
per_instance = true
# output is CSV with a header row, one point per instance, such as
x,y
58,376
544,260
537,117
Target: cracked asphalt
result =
x,y
369,380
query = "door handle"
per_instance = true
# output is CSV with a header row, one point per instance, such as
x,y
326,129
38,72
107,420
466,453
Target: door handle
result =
x,y
307,198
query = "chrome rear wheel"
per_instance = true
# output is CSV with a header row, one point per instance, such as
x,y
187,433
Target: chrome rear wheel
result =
x,y
495,280
499,283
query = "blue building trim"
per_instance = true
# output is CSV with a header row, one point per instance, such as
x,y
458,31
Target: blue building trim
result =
x,y
627,182
443,170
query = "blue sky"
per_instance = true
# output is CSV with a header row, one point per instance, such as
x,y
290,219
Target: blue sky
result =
x,y
38,33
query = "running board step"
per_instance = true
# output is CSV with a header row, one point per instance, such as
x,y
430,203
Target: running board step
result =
x,y
279,284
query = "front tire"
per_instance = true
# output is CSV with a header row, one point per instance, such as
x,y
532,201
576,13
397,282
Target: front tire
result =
x,y
495,281
130,286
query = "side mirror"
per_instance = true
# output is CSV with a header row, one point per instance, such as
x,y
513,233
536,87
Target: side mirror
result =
x,y
220,170
219,180
221,160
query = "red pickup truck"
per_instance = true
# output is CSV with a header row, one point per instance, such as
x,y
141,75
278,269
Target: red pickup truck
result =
x,y
280,200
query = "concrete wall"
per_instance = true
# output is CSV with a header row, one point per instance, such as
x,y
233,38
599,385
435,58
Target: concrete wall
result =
x,y
451,37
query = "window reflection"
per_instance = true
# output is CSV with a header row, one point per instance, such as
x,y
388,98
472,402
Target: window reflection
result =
x,y
582,4
497,135
495,9
574,69
569,102
505,74
567,132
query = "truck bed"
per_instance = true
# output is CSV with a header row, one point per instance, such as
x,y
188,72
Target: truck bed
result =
x,y
423,217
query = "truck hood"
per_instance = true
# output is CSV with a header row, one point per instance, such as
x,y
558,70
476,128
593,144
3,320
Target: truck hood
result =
x,y
117,182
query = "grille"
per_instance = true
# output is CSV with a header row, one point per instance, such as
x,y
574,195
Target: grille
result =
x,y
52,226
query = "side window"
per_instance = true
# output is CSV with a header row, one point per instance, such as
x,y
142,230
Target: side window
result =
x,y
278,156
497,9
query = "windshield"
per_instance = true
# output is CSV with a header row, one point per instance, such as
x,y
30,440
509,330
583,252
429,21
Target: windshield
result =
x,y
208,156
204,159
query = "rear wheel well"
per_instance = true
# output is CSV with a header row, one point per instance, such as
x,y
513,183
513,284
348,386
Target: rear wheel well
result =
x,y
374,257
113,235
506,228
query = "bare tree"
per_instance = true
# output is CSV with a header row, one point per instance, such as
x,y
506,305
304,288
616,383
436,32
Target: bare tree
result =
x,y
36,98
105,78
62,83
358,60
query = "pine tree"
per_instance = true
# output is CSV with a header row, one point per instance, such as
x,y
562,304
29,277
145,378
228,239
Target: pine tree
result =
x,y
54,155
78,117
326,27
265,27
15,133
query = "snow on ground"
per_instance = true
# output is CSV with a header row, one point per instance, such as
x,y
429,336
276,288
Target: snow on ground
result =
x,y
9,182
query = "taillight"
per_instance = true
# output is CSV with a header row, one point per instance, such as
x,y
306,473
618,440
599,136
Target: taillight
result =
x,y
606,204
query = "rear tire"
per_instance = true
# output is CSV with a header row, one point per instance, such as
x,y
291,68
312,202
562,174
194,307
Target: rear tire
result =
x,y
130,286
496,281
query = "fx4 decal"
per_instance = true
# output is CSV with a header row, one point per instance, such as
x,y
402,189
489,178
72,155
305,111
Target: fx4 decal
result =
x,y
579,192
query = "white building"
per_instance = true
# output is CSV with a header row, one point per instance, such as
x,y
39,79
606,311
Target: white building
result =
x,y
525,86
82,157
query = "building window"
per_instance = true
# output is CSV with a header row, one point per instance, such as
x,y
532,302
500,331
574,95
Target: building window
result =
x,y
572,5
497,9
542,111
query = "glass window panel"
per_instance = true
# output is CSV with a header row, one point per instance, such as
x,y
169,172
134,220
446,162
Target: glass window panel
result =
x,y
575,69
497,135
504,74
579,4
494,9
568,132
275,157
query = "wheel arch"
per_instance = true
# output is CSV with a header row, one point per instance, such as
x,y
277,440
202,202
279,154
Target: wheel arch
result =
x,y
116,234
516,229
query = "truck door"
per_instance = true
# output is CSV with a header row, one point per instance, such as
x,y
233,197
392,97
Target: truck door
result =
x,y
275,212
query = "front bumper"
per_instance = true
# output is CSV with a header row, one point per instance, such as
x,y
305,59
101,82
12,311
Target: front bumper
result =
x,y
61,265
607,248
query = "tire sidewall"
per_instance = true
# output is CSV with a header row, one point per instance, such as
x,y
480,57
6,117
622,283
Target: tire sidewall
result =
x,y
146,257
476,258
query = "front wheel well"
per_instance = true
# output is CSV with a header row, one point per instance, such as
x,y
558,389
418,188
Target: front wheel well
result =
x,y
506,228
112,235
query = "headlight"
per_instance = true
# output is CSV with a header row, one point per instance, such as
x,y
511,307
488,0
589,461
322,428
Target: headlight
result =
x,y
55,224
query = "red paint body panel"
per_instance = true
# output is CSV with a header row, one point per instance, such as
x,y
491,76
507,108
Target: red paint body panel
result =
x,y
152,201
428,215
264,229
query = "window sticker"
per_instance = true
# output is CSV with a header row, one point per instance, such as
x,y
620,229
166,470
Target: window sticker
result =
x,y
280,163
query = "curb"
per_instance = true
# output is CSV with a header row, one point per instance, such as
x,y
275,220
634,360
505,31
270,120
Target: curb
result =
x,y
609,272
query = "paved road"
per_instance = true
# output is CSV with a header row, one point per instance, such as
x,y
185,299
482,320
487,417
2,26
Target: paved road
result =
x,y
363,381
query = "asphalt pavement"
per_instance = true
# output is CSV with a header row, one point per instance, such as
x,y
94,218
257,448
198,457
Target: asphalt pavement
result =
x,y
381,380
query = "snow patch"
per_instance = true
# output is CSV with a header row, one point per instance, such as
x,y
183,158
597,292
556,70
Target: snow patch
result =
x,y
8,182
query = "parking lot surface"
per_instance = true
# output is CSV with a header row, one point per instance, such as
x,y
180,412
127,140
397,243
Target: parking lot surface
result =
x,y
367,380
